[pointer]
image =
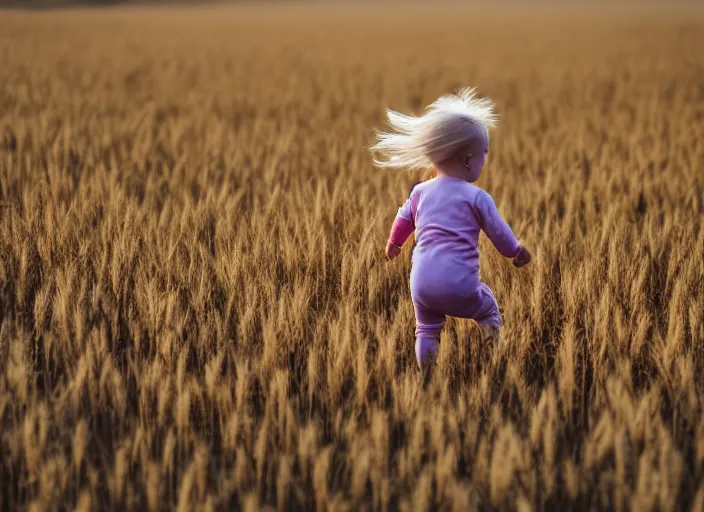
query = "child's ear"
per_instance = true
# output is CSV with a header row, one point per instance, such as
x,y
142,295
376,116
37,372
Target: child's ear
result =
x,y
467,160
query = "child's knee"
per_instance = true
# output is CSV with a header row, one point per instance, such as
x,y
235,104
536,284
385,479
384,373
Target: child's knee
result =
x,y
491,317
495,321
490,314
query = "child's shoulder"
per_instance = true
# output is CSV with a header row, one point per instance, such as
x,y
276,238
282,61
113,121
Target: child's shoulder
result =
x,y
469,189
420,185
477,191
475,195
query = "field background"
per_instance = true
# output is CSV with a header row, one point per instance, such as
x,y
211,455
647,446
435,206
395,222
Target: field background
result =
x,y
195,309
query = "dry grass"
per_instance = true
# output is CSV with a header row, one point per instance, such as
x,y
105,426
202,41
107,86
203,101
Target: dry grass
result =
x,y
196,313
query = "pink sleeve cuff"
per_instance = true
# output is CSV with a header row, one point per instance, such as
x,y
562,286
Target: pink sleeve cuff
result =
x,y
400,231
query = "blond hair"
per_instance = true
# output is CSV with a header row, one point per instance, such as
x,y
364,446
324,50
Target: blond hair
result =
x,y
449,125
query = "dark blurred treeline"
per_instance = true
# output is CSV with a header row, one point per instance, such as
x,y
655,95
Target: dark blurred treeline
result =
x,y
42,4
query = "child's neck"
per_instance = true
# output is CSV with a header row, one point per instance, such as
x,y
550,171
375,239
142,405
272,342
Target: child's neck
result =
x,y
452,172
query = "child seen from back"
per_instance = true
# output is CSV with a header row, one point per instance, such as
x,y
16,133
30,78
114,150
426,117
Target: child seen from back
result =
x,y
446,214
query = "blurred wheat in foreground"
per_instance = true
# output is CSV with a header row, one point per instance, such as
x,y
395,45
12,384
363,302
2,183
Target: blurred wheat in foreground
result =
x,y
195,309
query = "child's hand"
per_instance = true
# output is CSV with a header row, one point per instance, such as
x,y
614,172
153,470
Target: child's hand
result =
x,y
522,258
392,251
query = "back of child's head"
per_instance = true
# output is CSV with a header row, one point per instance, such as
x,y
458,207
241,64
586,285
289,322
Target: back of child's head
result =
x,y
453,124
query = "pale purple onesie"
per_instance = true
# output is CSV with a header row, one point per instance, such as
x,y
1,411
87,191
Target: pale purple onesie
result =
x,y
448,214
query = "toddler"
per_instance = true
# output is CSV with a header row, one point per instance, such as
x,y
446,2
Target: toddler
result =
x,y
446,214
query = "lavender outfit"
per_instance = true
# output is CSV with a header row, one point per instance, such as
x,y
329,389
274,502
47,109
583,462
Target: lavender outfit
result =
x,y
447,215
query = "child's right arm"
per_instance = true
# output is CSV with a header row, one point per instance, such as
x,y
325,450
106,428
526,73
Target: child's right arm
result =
x,y
499,232
402,228
400,232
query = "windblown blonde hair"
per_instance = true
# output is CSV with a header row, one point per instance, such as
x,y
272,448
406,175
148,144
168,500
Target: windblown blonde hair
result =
x,y
439,134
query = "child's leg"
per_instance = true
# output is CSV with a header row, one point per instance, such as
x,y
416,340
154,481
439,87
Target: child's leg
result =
x,y
483,308
489,319
429,324
487,313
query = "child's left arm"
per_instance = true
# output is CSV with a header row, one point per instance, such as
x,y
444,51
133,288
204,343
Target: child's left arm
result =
x,y
496,228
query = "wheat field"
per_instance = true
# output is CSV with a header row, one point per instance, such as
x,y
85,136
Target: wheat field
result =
x,y
195,308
